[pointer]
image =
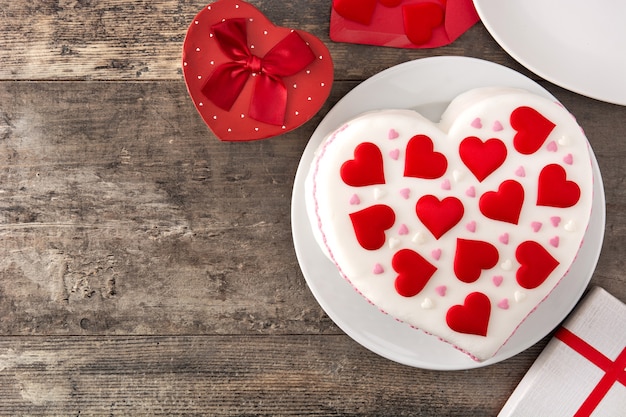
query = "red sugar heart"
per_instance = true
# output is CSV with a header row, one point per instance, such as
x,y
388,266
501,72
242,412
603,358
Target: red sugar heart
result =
x,y
421,159
413,272
472,317
472,257
482,158
250,79
360,11
532,129
536,264
366,168
505,204
439,216
370,225
554,190
420,19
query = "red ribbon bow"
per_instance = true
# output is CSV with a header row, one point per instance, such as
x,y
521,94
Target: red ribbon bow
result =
x,y
269,98
614,370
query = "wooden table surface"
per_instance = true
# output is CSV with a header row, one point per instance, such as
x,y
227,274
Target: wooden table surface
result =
x,y
147,268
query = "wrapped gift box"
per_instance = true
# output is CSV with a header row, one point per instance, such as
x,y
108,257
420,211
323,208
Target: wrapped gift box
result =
x,y
250,79
401,23
581,372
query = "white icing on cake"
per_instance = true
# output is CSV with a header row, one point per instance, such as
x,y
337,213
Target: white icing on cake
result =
x,y
485,114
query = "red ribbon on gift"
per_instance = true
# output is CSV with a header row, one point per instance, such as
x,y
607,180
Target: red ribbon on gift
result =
x,y
269,99
614,370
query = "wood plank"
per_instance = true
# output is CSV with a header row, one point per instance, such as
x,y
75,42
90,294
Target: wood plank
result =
x,y
142,40
231,375
121,214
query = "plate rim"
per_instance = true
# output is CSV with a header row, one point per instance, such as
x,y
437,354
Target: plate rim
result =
x,y
536,67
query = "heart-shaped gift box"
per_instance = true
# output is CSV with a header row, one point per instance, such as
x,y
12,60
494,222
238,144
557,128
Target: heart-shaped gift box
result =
x,y
250,79
401,23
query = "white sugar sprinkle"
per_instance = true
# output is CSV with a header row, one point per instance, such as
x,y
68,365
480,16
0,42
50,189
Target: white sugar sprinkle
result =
x,y
427,303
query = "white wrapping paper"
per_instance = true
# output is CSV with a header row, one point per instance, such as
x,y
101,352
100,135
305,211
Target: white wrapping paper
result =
x,y
581,372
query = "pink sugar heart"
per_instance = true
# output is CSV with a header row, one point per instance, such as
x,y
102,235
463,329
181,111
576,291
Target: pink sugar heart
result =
x,y
552,146
568,159
403,230
471,226
471,192
476,123
445,185
555,241
497,280
355,200
520,172
378,269
436,254
555,220
504,238
497,126
503,304
441,290
392,134
405,193
394,154
536,226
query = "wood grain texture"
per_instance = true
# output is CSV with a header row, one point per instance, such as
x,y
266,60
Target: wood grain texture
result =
x,y
242,376
122,213
147,268
142,40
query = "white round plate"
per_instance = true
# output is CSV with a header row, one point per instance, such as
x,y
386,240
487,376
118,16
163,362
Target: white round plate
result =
x,y
577,44
426,85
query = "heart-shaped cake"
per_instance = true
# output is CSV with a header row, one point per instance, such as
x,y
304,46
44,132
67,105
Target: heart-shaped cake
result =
x,y
250,79
459,228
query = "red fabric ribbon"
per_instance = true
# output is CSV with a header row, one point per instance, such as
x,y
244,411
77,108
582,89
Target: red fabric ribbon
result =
x,y
269,98
614,370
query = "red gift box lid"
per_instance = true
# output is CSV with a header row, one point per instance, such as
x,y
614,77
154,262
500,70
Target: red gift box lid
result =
x,y
250,79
